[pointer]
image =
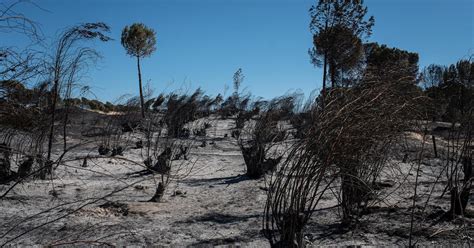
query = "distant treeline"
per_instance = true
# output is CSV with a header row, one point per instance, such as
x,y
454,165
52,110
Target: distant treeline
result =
x,y
448,87
15,92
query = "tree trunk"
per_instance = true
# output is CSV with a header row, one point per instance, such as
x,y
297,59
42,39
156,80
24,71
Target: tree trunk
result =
x,y
324,79
434,139
160,191
142,104
460,197
332,72
54,99
434,146
66,115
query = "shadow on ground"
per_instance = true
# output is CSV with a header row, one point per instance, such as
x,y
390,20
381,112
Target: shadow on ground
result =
x,y
216,181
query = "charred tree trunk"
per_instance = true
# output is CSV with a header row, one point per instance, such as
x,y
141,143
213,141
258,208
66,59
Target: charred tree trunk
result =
x,y
324,79
54,99
160,191
256,162
142,101
460,197
434,146
45,168
291,233
354,193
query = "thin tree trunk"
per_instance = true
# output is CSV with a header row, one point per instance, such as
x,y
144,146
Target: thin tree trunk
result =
x,y
434,146
434,139
47,169
160,191
324,79
332,72
66,116
325,71
142,104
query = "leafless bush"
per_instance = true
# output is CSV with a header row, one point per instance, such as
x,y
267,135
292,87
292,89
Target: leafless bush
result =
x,y
363,122
16,64
295,190
23,149
23,131
347,142
458,169
181,110
258,139
160,153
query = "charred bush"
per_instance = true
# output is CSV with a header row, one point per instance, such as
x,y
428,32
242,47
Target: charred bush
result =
x,y
200,132
182,153
5,163
259,140
25,167
256,161
139,144
181,110
235,134
117,151
103,150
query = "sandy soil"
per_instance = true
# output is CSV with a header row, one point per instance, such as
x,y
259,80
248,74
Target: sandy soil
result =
x,y
215,205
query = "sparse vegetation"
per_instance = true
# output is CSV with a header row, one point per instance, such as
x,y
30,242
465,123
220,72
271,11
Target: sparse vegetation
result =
x,y
381,156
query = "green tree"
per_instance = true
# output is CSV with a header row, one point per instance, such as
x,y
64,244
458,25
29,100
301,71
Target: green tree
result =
x,y
139,41
389,63
431,82
338,26
458,89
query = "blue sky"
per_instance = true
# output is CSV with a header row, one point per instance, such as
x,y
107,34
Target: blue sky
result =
x,y
201,43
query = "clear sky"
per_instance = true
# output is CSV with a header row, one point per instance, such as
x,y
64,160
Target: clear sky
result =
x,y
201,43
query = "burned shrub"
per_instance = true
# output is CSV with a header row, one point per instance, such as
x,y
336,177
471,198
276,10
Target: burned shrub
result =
x,y
235,134
301,122
5,163
112,139
160,165
257,143
25,149
349,140
182,153
200,132
103,150
458,167
129,126
117,151
139,144
181,110
25,167
242,117
295,189
256,161
184,133
160,153
46,168
360,124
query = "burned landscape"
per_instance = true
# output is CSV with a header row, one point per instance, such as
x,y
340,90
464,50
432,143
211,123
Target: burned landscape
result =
x,y
379,155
